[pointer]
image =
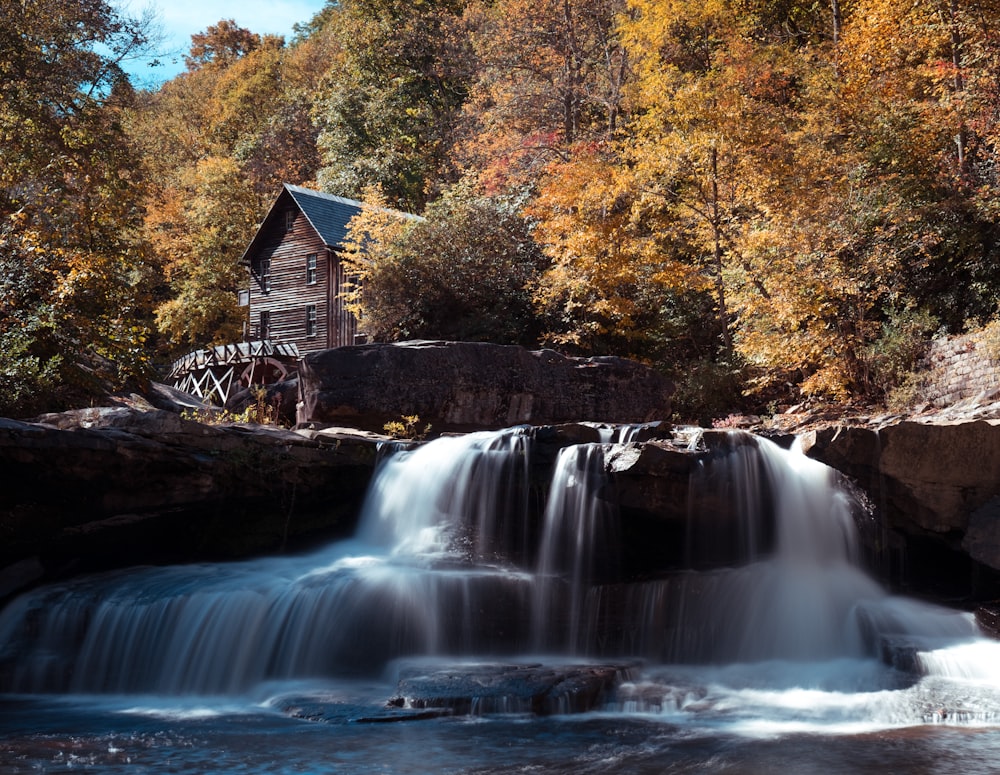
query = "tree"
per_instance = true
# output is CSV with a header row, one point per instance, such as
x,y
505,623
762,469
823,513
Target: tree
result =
x,y
68,218
608,273
920,109
221,44
391,98
219,140
464,272
207,224
739,146
549,75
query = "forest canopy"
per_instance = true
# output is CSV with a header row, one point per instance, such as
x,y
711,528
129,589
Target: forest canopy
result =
x,y
765,199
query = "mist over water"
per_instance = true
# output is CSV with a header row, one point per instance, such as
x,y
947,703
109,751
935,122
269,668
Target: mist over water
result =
x,y
451,564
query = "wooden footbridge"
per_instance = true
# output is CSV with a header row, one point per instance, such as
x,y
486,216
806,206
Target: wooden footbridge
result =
x,y
217,373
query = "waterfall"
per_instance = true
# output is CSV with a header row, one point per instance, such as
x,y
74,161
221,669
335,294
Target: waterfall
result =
x,y
797,592
458,493
577,545
450,559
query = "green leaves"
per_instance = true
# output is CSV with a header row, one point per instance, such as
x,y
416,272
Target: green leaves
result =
x,y
390,101
71,320
463,273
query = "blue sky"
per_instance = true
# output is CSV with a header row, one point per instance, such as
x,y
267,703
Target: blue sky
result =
x,y
180,19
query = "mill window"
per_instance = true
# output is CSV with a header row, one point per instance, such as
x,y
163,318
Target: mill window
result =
x,y
265,275
311,320
311,269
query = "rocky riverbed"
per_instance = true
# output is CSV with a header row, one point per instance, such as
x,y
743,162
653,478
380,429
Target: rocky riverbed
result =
x,y
136,483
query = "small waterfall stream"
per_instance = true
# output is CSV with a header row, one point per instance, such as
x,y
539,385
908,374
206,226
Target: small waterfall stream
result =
x,y
577,545
449,561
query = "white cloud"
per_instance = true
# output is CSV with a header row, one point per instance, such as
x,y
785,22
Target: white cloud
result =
x,y
180,19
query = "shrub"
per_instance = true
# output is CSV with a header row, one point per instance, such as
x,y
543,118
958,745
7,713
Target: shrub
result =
x,y
407,427
888,364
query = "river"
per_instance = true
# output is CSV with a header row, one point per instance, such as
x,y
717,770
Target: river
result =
x,y
794,661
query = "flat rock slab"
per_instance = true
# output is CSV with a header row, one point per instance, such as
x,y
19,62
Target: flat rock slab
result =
x,y
481,689
100,488
332,711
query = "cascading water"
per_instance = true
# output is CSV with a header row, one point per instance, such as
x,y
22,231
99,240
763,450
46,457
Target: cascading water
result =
x,y
408,583
774,626
577,546
467,491
797,592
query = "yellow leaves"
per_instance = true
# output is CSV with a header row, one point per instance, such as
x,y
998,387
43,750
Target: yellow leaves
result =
x,y
582,225
591,222
370,238
198,230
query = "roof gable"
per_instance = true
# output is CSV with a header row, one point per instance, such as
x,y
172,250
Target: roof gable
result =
x,y
327,214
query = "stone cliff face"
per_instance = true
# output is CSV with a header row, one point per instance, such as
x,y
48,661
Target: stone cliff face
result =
x,y
936,490
107,487
117,487
461,386
102,488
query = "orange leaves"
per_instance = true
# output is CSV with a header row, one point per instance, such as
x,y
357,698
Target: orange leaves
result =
x,y
736,138
550,74
198,229
592,225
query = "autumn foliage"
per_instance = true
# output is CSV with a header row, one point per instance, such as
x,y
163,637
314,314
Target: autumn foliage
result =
x,y
765,199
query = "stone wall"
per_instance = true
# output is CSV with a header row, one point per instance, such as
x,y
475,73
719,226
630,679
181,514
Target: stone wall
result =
x,y
963,367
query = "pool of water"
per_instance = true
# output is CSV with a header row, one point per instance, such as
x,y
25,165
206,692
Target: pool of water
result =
x,y
795,662
837,717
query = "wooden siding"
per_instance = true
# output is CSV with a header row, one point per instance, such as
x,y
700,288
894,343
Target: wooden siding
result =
x,y
290,294
343,325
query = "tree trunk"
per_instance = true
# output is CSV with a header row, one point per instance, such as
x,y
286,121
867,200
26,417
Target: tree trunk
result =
x,y
958,81
720,286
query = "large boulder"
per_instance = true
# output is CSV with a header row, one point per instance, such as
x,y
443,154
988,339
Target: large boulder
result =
x,y
935,487
459,386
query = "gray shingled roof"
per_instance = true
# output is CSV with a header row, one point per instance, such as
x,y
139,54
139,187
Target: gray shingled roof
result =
x,y
327,213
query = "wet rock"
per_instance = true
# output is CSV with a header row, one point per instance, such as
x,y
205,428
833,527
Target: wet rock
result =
x,y
653,483
677,508
459,386
332,710
988,618
901,654
982,537
923,472
19,575
935,487
508,688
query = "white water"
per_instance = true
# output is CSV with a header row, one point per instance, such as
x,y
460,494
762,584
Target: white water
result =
x,y
443,565
577,530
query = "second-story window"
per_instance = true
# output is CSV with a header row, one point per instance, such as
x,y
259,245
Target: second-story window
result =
x,y
311,269
265,325
289,220
265,275
310,320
